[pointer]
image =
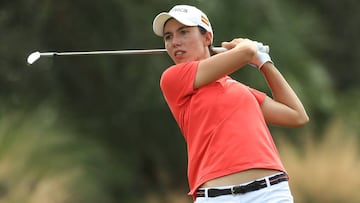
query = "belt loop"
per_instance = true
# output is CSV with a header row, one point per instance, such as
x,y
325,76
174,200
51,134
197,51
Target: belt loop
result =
x,y
267,182
206,192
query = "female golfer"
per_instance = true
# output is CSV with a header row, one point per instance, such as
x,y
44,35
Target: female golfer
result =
x,y
231,154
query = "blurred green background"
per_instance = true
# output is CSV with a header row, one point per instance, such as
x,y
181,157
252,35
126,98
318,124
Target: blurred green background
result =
x,y
97,129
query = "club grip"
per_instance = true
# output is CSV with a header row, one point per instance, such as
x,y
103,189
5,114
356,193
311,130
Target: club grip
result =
x,y
264,48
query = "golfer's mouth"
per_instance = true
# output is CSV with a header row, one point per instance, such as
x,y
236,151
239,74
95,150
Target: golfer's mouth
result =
x,y
179,54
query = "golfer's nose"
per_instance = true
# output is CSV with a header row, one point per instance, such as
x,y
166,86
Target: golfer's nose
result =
x,y
176,41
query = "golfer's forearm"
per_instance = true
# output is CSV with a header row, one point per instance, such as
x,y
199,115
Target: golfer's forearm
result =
x,y
223,64
281,90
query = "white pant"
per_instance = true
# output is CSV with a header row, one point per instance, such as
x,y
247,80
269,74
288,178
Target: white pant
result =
x,y
278,193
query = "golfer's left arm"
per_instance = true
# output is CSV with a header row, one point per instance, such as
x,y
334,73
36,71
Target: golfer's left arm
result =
x,y
285,108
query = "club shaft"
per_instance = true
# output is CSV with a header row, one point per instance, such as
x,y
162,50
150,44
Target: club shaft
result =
x,y
36,55
138,51
145,51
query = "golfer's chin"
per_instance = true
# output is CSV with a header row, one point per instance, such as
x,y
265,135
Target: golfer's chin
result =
x,y
178,60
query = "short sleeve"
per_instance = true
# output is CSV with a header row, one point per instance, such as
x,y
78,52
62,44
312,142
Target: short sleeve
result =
x,y
177,82
260,96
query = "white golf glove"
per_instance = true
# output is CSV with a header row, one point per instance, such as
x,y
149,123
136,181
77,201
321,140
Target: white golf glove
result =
x,y
262,56
261,47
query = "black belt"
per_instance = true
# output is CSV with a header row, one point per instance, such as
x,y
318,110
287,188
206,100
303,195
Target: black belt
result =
x,y
241,189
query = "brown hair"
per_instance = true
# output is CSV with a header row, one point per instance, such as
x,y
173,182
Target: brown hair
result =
x,y
203,31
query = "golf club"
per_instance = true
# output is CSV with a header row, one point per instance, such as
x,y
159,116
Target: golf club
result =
x,y
37,55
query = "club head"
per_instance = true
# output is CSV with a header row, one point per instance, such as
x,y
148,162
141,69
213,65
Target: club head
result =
x,y
33,57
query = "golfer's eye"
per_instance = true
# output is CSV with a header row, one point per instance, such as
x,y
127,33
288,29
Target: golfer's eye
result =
x,y
167,37
184,32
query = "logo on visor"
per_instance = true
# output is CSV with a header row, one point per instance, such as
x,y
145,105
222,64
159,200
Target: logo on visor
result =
x,y
183,10
205,20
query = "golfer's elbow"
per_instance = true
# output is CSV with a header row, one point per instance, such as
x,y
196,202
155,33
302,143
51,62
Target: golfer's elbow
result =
x,y
301,119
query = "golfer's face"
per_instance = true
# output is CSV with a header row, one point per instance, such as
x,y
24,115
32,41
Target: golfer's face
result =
x,y
184,43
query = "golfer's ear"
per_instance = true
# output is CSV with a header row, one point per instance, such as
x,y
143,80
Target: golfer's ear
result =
x,y
208,37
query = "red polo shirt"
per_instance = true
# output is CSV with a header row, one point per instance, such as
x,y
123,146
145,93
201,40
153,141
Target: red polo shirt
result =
x,y
222,124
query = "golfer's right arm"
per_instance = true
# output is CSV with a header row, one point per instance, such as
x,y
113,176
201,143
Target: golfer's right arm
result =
x,y
241,52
